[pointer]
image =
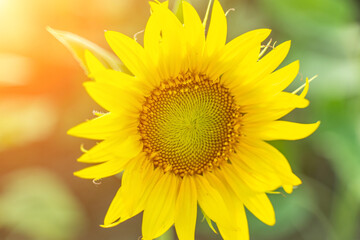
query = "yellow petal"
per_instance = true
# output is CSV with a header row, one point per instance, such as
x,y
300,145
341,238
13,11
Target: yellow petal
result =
x,y
288,188
186,209
122,154
240,78
281,79
103,170
101,127
102,152
236,47
132,54
109,76
112,98
78,45
251,75
195,36
306,89
93,64
285,100
159,213
282,130
216,36
211,202
126,202
150,180
257,203
254,173
239,216
261,207
267,159
234,181
152,38
273,59
169,49
123,81
236,54
239,226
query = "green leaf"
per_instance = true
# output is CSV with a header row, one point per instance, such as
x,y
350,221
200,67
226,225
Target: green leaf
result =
x,y
77,46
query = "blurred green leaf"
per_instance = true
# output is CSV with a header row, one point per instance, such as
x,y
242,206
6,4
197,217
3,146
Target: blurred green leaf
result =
x,y
38,205
77,46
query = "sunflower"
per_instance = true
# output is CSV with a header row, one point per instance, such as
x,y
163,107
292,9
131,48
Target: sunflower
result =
x,y
189,126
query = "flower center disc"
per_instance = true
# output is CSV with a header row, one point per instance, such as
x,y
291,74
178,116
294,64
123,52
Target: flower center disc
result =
x,y
187,124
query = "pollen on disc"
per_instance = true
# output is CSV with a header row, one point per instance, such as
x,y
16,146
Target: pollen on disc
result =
x,y
187,124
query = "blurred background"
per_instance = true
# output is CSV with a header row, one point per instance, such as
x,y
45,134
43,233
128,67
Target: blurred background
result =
x,y
41,97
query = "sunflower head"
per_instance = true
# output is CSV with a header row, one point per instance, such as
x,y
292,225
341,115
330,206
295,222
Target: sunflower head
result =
x,y
189,124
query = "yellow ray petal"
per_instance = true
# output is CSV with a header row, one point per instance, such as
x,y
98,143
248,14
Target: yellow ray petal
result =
x,y
274,58
282,130
236,54
186,209
126,202
261,207
282,78
112,98
113,77
240,78
159,213
216,36
169,49
242,232
256,175
211,202
151,178
236,46
102,151
132,54
285,100
152,39
112,148
100,128
93,64
103,170
239,228
195,36
267,158
124,152
257,203
306,88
